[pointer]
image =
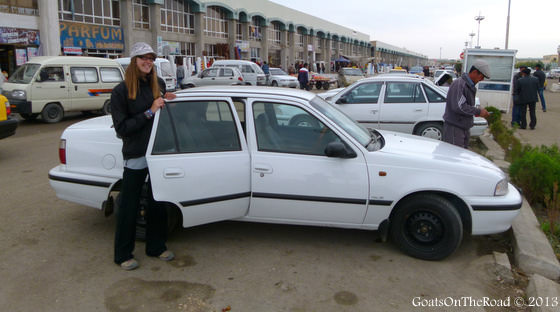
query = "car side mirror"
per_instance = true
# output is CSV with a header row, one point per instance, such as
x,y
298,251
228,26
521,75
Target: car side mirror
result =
x,y
338,149
200,75
342,100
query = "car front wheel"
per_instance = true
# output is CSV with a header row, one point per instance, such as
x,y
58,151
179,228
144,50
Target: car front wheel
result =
x,y
427,227
431,130
52,113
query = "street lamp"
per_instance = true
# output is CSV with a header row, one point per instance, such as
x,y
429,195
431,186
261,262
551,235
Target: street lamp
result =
x,y
440,53
507,25
478,19
472,34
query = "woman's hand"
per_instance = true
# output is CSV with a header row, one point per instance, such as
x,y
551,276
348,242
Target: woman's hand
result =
x,y
169,96
157,104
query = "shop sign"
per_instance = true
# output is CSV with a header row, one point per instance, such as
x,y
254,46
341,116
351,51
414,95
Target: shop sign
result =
x,y
310,48
90,36
243,45
21,56
18,36
174,48
72,50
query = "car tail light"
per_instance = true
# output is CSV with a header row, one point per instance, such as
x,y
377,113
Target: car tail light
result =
x,y
8,108
240,78
62,152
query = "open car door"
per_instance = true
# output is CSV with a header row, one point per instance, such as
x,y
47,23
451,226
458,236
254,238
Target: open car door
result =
x,y
199,161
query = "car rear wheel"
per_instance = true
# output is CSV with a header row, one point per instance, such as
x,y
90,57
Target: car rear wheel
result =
x,y
318,85
29,116
274,84
52,113
427,227
431,130
106,110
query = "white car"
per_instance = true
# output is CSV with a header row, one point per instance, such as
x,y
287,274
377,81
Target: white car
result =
x,y
404,103
214,76
273,155
279,78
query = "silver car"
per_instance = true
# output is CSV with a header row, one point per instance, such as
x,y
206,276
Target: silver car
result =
x,y
409,104
279,78
215,76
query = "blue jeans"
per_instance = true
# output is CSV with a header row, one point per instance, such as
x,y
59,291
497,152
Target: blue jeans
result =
x,y
516,115
541,96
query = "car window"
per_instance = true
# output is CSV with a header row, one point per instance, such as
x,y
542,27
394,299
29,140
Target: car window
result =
x,y
213,72
247,69
364,93
433,96
287,128
226,72
51,74
166,69
83,74
197,127
110,74
404,92
277,71
24,73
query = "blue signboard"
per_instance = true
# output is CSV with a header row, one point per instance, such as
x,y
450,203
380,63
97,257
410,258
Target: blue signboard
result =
x,y
90,36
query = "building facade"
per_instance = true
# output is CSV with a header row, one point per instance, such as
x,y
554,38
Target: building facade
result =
x,y
385,55
257,30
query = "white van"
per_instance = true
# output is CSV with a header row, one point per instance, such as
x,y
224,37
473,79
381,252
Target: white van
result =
x,y
164,70
52,85
252,73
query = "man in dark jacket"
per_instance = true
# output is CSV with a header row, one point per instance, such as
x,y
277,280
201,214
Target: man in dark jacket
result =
x,y
516,108
460,105
526,94
542,78
303,77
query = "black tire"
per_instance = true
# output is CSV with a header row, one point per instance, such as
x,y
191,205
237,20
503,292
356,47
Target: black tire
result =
x,y
52,113
326,86
189,86
28,116
427,227
303,120
432,130
106,110
274,83
318,85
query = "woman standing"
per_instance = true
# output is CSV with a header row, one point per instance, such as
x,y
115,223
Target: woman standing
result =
x,y
133,105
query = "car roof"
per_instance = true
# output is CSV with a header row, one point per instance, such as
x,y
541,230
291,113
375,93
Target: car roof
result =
x,y
72,60
245,91
399,77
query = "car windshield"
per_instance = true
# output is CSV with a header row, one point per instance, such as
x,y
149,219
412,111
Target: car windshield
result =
x,y
352,127
166,69
24,74
277,71
352,72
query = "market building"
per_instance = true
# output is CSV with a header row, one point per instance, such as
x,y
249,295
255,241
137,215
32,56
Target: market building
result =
x,y
385,54
226,29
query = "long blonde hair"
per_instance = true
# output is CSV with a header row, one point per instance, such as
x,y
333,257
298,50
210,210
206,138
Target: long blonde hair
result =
x,y
132,78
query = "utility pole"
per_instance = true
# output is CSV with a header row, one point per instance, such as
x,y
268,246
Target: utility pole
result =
x,y
478,19
507,25
472,34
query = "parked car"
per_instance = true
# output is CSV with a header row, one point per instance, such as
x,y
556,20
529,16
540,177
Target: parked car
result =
x,y
279,78
53,85
214,76
416,70
349,75
8,124
252,73
164,70
240,161
554,73
440,72
403,103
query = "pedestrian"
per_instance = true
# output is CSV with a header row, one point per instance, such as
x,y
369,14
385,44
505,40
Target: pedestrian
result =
x,y
303,77
516,109
291,69
180,73
460,105
133,105
542,79
322,68
526,95
266,70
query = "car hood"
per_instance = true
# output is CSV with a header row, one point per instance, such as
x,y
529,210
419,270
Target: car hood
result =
x,y
332,92
433,153
102,122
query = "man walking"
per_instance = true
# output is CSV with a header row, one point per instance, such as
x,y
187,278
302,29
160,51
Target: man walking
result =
x,y
303,77
525,94
460,105
542,78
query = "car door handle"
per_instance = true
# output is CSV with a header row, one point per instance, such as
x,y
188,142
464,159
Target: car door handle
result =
x,y
418,110
62,87
173,173
374,111
262,168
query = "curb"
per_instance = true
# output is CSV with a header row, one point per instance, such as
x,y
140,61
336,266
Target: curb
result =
x,y
542,294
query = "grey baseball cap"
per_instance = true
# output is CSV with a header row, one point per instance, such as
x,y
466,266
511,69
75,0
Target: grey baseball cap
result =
x,y
482,67
141,48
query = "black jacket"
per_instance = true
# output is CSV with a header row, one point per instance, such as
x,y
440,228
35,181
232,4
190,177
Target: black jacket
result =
x,y
129,120
526,90
541,76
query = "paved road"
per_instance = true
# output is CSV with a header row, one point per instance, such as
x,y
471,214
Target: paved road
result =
x,y
57,256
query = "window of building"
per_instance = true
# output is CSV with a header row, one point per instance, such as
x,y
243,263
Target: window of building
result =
x,y
239,31
255,29
141,14
23,7
102,12
354,49
187,49
177,16
211,50
215,22
319,43
274,34
255,53
299,38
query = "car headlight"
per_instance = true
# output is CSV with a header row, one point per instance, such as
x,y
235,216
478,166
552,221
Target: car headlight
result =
x,y
501,188
19,94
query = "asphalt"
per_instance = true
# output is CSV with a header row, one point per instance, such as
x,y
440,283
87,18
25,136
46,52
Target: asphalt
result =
x,y
532,251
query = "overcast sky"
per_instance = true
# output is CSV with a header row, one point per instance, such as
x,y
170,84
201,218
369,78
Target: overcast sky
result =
x,y
425,26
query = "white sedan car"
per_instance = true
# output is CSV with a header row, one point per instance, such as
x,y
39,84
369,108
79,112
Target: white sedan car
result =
x,y
279,78
403,103
264,154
